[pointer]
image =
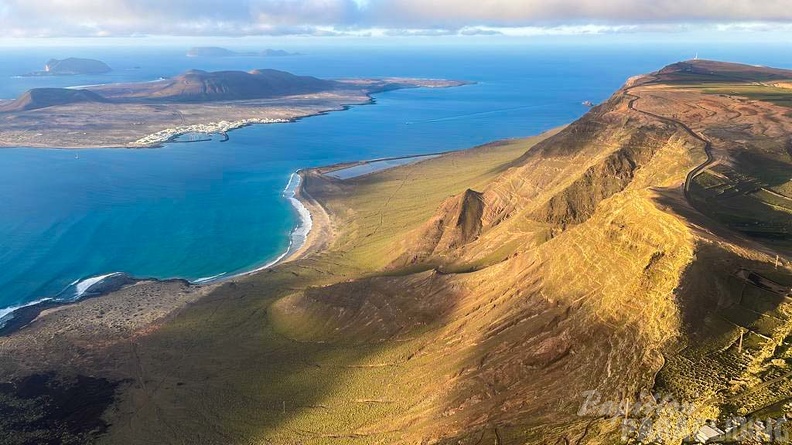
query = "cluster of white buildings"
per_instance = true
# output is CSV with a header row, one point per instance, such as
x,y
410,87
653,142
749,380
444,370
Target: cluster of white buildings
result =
x,y
221,127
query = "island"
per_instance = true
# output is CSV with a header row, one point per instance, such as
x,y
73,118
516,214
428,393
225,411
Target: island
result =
x,y
147,114
71,67
215,51
592,284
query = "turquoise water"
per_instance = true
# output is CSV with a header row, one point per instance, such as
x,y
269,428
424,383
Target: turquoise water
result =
x,y
196,210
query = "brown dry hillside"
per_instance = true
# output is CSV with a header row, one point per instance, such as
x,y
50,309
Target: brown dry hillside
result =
x,y
479,296
588,259
50,97
203,86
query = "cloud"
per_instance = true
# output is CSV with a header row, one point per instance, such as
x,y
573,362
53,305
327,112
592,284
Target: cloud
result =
x,y
510,13
400,17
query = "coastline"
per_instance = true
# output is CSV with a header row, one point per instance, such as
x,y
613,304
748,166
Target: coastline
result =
x,y
73,127
312,234
15,318
304,239
222,127
155,140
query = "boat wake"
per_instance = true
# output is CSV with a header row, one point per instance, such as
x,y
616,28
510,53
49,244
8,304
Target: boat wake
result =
x,y
478,113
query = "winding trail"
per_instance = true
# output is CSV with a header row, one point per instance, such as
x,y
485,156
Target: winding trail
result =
x,y
698,169
707,144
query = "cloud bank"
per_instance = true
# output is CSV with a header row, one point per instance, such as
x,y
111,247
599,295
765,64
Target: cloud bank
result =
x,y
25,18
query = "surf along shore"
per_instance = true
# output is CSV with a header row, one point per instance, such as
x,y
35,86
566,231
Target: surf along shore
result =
x,y
242,114
312,234
152,337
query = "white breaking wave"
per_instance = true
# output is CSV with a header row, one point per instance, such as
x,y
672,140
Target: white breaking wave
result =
x,y
7,313
208,279
80,288
297,239
85,285
306,223
299,234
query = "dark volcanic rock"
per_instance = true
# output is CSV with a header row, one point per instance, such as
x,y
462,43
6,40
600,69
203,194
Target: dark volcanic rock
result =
x,y
52,409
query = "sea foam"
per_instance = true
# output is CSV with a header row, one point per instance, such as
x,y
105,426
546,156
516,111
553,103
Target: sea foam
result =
x,y
299,234
76,290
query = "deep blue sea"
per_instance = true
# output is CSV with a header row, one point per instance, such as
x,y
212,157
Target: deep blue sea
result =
x,y
196,210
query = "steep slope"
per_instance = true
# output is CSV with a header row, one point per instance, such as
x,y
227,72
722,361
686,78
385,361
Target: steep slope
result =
x,y
561,181
536,321
587,266
558,290
457,223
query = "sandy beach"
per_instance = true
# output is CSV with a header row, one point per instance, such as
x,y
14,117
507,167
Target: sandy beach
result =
x,y
313,233
126,339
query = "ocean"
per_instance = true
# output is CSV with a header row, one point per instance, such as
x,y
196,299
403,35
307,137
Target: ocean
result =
x,y
208,209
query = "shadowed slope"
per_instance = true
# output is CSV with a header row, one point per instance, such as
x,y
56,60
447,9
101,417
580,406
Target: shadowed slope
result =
x,y
590,305
476,297
534,326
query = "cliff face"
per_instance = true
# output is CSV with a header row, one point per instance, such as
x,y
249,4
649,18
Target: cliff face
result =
x,y
458,222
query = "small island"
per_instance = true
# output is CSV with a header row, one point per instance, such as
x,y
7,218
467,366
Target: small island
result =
x,y
72,66
148,114
215,51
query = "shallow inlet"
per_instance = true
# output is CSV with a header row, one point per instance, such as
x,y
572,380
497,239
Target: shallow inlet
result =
x,y
369,167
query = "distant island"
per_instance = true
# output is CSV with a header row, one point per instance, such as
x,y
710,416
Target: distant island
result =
x,y
629,270
215,51
147,114
71,67
204,86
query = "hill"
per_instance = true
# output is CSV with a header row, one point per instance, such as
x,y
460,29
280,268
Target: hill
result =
x,y
203,86
49,97
71,67
594,285
149,114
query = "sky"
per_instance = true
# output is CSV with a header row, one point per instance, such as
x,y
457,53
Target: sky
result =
x,y
383,18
